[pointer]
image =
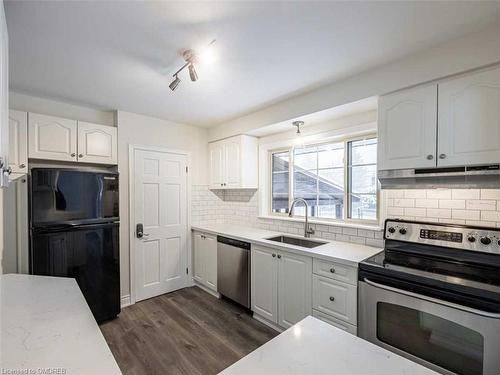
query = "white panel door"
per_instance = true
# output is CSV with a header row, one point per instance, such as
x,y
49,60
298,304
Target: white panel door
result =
x,y
52,138
294,288
407,129
210,248
264,279
97,143
469,120
216,165
160,204
18,141
232,153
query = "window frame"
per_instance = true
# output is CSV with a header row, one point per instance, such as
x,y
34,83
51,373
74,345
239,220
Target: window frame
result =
x,y
290,149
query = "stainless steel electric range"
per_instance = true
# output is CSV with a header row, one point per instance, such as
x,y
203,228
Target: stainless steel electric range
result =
x,y
433,295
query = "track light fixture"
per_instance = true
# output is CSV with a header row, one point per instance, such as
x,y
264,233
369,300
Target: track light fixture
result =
x,y
191,57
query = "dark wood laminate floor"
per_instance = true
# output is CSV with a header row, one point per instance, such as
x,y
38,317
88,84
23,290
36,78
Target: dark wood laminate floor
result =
x,y
183,332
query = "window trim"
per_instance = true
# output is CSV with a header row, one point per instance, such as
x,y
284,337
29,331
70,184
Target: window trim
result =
x,y
290,149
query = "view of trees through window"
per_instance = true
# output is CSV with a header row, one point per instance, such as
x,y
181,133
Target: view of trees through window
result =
x,y
320,173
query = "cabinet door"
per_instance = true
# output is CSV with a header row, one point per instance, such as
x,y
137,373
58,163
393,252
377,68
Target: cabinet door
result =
x,y
51,138
469,120
216,165
407,129
294,288
97,143
264,283
210,249
335,298
198,255
18,141
4,95
232,152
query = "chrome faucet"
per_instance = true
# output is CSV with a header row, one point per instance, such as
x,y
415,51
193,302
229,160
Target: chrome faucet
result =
x,y
307,230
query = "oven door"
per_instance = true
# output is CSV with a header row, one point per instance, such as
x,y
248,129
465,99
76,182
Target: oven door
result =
x,y
446,337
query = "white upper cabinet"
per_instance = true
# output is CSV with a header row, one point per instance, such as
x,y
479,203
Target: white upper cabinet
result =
x,y
97,143
407,129
18,141
52,138
234,163
469,120
216,151
55,138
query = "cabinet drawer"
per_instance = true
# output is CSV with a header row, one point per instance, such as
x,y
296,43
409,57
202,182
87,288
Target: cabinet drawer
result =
x,y
336,271
335,298
335,322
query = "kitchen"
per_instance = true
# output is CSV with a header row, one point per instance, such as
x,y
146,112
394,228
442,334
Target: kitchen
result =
x,y
159,218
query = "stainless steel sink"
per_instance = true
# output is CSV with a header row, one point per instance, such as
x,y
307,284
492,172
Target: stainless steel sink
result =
x,y
302,242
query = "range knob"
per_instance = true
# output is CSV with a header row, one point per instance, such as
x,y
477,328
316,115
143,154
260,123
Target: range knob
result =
x,y
391,230
471,239
402,231
485,240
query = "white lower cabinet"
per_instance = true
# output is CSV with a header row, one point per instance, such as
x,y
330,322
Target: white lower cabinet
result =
x,y
335,294
205,260
281,286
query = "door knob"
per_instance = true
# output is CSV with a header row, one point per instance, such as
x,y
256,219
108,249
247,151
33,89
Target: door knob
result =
x,y
139,230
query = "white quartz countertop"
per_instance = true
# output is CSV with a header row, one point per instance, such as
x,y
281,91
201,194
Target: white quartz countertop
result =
x,y
46,325
315,347
342,252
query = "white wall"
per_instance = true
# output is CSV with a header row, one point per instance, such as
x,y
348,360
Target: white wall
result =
x,y
29,103
466,53
134,129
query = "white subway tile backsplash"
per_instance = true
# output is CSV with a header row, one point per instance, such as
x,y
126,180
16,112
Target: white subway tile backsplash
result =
x,y
466,214
452,203
490,215
439,194
465,193
404,202
417,212
490,193
483,205
440,213
427,203
415,193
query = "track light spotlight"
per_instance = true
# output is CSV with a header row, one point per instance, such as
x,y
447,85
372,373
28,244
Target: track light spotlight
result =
x,y
192,73
174,83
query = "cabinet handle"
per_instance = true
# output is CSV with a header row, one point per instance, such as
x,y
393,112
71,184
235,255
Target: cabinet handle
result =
x,y
73,155
332,299
430,157
80,155
332,270
221,184
274,255
22,166
279,256
442,156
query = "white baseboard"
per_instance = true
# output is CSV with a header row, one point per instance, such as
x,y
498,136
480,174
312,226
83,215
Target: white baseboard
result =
x,y
268,323
205,289
125,301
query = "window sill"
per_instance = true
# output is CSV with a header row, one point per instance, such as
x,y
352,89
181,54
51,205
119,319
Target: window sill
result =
x,y
344,224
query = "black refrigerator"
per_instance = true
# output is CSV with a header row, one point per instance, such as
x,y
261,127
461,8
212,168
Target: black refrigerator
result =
x,y
74,232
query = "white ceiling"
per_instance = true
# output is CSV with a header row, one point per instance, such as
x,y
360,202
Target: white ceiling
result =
x,y
121,54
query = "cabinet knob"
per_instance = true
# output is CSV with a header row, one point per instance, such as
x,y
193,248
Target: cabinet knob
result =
x,y
332,299
221,184
442,156
332,270
274,255
80,155
279,256
430,157
73,155
22,166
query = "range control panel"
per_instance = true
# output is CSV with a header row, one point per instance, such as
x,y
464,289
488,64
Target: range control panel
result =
x,y
447,235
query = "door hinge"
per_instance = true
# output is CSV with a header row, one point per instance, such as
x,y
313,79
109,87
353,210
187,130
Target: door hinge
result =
x,y
187,271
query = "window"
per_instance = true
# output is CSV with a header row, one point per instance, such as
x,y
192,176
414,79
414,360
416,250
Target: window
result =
x,y
320,174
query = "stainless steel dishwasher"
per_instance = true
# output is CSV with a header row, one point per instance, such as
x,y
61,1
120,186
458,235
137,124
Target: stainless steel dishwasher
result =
x,y
233,270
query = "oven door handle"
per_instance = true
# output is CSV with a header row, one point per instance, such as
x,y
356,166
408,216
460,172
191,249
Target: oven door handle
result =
x,y
433,300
